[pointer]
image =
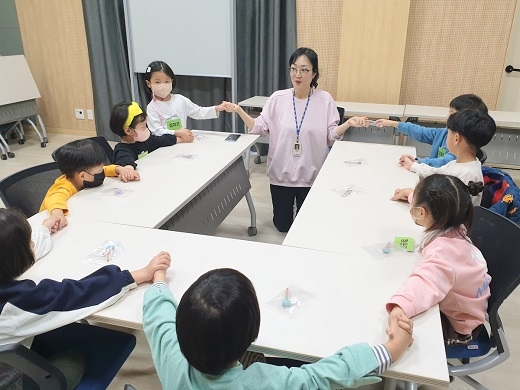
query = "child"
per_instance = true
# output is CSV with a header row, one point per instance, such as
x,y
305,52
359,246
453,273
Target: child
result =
x,y
81,163
468,131
196,344
128,121
439,155
168,112
453,272
29,309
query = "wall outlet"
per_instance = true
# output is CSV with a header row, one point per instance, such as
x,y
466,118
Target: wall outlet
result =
x,y
90,115
79,113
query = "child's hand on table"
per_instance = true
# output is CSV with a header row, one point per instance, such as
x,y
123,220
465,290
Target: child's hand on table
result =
x,y
127,173
402,194
184,135
60,218
159,263
406,161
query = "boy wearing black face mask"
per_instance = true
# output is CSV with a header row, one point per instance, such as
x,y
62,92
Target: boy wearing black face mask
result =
x,y
82,164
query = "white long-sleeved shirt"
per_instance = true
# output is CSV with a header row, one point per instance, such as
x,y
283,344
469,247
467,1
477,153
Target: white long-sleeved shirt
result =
x,y
466,172
178,106
42,241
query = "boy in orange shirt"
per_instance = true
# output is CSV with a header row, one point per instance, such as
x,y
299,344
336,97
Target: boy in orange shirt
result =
x,y
82,165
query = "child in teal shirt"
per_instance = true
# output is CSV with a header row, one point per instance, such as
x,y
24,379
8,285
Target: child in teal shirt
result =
x,y
196,344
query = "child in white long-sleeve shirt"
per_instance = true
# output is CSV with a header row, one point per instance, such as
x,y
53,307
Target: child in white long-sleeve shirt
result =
x,y
468,131
453,272
168,112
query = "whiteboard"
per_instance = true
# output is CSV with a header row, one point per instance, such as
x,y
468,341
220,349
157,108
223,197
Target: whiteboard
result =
x,y
16,80
194,37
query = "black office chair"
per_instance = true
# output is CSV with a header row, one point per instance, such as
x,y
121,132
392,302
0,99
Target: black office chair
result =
x,y
341,112
109,152
498,238
482,156
21,366
26,189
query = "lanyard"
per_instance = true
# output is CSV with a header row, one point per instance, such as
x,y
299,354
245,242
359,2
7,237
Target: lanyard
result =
x,y
298,128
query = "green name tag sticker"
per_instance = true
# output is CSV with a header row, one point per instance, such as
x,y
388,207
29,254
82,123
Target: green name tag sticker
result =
x,y
142,154
174,124
441,152
407,243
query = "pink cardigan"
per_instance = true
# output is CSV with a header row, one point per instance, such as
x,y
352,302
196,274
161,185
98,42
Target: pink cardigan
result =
x,y
453,273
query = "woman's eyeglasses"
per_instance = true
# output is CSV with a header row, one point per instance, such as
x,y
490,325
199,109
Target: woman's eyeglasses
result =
x,y
303,72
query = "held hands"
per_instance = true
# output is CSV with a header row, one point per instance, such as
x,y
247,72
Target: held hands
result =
x,y
221,106
52,224
184,135
397,315
386,123
127,173
399,331
230,107
61,221
357,121
406,161
402,194
160,263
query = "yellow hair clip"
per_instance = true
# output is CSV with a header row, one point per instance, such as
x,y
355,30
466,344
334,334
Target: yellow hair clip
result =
x,y
133,111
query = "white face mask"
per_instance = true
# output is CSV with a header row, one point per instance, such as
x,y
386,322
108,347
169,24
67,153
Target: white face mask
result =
x,y
142,135
161,90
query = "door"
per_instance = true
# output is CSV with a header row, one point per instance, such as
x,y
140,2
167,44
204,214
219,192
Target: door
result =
x,y
509,94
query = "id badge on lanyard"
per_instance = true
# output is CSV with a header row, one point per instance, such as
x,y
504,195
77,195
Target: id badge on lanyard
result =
x,y
297,147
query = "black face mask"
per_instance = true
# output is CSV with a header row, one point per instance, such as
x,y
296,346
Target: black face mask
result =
x,y
98,180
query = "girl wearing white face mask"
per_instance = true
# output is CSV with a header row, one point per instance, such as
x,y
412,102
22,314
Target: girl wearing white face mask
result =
x,y
168,112
453,272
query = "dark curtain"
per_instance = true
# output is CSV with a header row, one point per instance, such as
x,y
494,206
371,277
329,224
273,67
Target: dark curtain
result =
x,y
108,55
265,39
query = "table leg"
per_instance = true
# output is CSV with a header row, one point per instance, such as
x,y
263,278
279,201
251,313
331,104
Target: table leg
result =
x,y
206,211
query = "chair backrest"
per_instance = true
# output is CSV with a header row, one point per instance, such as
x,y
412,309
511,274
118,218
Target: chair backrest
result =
x,y
498,238
26,189
22,364
341,112
109,152
482,156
